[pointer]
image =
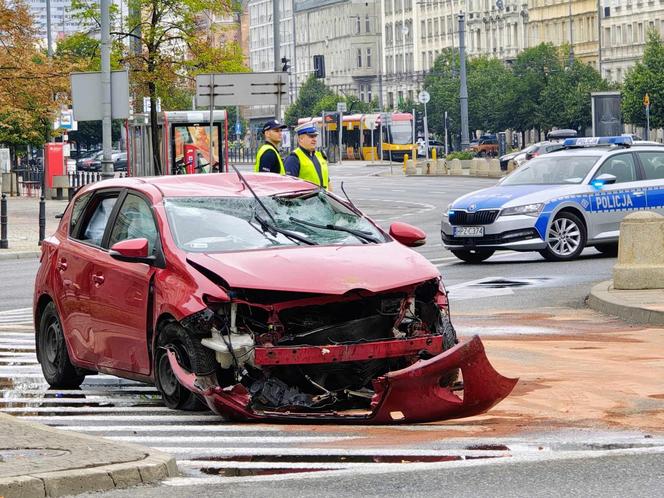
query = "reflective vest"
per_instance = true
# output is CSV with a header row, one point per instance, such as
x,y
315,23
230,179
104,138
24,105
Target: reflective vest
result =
x,y
308,169
261,151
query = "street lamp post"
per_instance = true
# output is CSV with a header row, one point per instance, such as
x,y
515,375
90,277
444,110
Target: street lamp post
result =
x,y
463,91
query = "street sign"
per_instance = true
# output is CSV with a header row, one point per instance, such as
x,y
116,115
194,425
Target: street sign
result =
x,y
423,97
238,128
86,95
646,100
65,121
341,107
231,89
147,106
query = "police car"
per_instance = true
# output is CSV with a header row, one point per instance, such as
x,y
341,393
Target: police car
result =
x,y
559,203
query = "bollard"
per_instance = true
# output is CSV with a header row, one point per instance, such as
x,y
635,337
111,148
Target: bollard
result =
x,y
4,243
42,219
405,162
434,155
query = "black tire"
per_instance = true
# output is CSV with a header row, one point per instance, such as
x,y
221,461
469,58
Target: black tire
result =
x,y
52,352
449,341
473,255
191,355
565,238
608,249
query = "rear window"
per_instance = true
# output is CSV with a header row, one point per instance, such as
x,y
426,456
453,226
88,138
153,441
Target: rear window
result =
x,y
653,164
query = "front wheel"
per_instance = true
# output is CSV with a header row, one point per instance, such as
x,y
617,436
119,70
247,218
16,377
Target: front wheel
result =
x,y
565,238
473,255
52,352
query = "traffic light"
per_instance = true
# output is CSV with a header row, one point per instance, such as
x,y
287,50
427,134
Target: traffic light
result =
x,y
419,123
319,66
286,66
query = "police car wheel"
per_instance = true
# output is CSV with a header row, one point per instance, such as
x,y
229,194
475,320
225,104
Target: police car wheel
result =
x,y
565,239
473,255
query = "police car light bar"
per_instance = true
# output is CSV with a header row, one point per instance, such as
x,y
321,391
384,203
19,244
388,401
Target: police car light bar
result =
x,y
595,141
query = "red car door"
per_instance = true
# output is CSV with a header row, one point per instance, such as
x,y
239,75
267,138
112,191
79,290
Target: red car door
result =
x,y
73,270
121,291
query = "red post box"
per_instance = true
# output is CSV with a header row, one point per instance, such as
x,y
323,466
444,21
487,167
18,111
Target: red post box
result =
x,y
54,162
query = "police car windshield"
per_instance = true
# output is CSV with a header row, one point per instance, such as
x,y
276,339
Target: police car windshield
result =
x,y
552,169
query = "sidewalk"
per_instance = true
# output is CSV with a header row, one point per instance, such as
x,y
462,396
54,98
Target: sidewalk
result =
x,y
23,226
645,307
39,461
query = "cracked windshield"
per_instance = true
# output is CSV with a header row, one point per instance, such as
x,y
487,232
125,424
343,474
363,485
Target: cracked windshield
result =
x,y
221,224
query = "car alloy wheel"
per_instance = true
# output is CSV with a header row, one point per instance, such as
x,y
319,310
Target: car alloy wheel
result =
x,y
52,352
565,239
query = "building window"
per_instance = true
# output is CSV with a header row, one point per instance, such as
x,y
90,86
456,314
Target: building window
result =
x,y
367,24
358,25
368,57
359,57
369,94
362,93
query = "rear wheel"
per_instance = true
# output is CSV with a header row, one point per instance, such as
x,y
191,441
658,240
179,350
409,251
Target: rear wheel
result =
x,y
52,352
190,355
608,249
473,255
565,238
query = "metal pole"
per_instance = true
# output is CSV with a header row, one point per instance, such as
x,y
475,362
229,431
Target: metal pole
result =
x,y
276,40
49,40
571,36
599,37
648,122
463,93
4,243
42,219
106,162
446,146
426,131
212,94
294,58
340,130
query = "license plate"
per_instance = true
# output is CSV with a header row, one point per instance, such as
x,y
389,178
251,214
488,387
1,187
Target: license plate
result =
x,y
469,231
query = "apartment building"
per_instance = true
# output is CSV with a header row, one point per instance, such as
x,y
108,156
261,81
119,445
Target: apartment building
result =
x,y
497,28
625,25
347,34
566,22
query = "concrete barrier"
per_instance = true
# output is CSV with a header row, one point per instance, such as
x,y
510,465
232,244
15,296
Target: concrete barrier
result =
x,y
511,165
483,167
640,252
455,167
494,169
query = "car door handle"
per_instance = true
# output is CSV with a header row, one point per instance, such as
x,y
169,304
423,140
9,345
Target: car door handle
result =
x,y
62,265
98,279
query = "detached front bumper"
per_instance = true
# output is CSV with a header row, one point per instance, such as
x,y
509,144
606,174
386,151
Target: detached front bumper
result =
x,y
413,394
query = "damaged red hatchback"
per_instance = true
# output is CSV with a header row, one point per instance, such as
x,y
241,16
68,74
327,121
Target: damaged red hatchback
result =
x,y
263,297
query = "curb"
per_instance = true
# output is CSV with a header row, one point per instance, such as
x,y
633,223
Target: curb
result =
x,y
605,299
19,255
155,467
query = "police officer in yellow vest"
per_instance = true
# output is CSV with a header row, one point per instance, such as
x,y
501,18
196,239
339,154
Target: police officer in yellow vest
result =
x,y
306,162
268,159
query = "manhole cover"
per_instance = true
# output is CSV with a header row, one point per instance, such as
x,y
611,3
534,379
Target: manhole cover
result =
x,y
24,454
502,283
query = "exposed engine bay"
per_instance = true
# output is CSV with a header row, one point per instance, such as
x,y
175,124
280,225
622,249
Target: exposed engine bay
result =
x,y
309,352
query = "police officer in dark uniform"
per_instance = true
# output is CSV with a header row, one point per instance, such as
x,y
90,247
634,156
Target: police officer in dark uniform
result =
x,y
268,159
305,161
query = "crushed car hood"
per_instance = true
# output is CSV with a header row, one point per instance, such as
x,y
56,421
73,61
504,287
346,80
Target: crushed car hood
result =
x,y
321,269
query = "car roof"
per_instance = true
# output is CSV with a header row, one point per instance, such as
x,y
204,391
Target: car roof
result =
x,y
602,151
212,184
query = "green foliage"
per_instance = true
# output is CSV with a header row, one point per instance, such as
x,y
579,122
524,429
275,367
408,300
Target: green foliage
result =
x,y
308,103
465,155
442,83
646,77
86,51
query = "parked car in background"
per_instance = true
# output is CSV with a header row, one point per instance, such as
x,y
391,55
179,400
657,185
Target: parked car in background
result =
x,y
536,150
487,146
95,164
436,145
120,161
202,285
85,162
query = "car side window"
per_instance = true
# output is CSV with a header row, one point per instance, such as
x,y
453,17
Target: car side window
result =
x,y
621,166
77,211
653,165
134,221
96,219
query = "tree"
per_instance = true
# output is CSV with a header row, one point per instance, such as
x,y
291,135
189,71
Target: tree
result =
x,y
28,80
490,98
307,104
531,69
172,49
645,78
565,101
442,83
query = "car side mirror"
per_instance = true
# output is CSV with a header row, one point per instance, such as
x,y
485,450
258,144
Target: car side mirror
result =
x,y
132,251
407,235
603,179
529,156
